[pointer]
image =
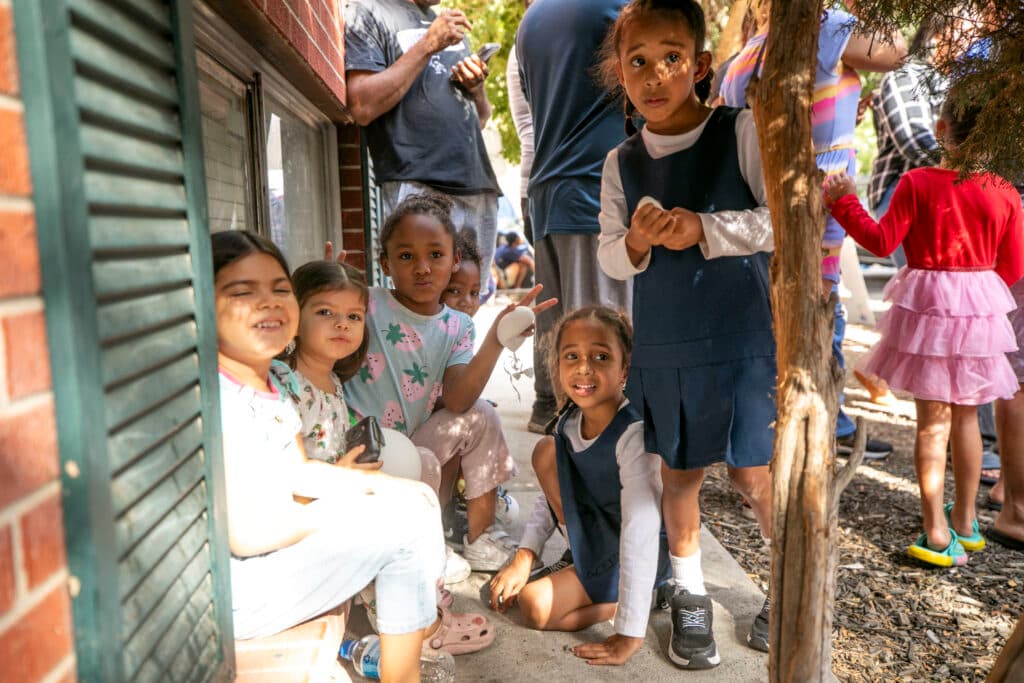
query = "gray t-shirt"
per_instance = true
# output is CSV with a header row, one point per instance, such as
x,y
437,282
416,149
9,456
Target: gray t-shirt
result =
x,y
432,136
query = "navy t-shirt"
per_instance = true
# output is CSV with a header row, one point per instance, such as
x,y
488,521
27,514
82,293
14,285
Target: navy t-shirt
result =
x,y
575,122
432,135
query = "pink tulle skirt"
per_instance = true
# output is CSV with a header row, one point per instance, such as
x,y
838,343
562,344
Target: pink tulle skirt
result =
x,y
946,336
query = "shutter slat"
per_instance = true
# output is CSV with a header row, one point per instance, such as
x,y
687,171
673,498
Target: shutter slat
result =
x,y
144,475
120,319
121,70
184,641
150,551
131,275
109,18
100,102
198,652
170,623
129,153
154,11
151,429
143,600
132,193
147,392
139,519
131,358
114,233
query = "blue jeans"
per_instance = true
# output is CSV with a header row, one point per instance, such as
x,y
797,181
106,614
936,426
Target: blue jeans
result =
x,y
844,425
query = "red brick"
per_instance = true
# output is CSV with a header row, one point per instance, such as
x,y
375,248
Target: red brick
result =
x,y
36,644
28,362
8,65
352,178
28,451
352,220
351,199
279,15
7,585
14,171
20,273
42,541
356,259
353,239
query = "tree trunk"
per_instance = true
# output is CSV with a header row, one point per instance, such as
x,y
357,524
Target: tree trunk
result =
x,y
1009,666
805,500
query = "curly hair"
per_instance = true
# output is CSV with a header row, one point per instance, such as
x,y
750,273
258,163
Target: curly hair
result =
x,y
615,320
329,276
469,250
424,204
687,11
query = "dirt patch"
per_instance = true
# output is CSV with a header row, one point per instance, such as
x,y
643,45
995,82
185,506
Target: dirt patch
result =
x,y
895,619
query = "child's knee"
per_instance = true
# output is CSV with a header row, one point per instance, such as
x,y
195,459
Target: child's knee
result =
x,y
679,482
534,610
751,481
543,458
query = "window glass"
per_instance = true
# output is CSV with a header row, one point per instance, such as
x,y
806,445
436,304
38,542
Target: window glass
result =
x,y
295,183
224,105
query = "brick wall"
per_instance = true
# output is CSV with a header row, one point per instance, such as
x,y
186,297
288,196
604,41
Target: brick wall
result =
x,y
35,610
315,29
351,174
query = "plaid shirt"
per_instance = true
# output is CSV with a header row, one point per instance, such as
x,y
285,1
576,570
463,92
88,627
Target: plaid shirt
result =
x,y
906,108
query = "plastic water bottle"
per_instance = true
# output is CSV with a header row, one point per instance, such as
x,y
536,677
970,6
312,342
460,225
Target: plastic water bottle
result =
x,y
436,666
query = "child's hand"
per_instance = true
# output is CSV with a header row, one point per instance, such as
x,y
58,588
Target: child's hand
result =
x,y
329,253
838,185
507,583
649,227
527,299
615,651
686,232
349,461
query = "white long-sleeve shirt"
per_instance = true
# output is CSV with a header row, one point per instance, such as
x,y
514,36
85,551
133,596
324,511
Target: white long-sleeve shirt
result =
x,y
522,119
726,233
640,476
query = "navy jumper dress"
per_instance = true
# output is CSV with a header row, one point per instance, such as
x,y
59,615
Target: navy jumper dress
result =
x,y
591,493
702,372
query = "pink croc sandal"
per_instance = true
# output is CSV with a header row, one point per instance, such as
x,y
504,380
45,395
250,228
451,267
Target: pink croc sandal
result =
x,y
460,634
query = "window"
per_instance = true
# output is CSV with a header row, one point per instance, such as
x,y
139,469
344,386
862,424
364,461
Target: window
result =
x,y
271,156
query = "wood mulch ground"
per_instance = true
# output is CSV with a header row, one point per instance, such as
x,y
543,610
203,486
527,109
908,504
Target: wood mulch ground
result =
x,y
895,619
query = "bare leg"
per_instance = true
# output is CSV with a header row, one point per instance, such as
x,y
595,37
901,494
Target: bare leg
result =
x,y
480,513
559,603
966,437
755,484
680,504
449,475
546,469
1010,426
933,424
400,656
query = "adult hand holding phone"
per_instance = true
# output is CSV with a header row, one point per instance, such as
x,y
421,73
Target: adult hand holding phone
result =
x,y
470,73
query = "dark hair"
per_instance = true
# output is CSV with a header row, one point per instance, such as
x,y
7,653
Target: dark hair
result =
x,y
931,26
329,276
616,320
960,116
469,250
231,245
424,204
686,11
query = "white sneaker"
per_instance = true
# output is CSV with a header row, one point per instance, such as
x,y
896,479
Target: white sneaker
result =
x,y
456,568
490,551
507,509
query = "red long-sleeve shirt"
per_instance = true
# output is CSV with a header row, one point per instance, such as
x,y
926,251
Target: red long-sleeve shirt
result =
x,y
944,223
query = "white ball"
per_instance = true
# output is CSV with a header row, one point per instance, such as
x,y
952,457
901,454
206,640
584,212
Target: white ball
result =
x,y
512,326
400,456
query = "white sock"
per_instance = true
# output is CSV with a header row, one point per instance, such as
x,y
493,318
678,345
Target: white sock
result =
x,y
687,573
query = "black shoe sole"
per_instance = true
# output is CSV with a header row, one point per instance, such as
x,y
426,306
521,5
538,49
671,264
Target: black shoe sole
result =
x,y
699,659
757,642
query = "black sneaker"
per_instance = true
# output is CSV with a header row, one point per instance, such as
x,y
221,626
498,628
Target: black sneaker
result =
x,y
455,524
564,561
874,449
758,636
692,642
543,413
661,599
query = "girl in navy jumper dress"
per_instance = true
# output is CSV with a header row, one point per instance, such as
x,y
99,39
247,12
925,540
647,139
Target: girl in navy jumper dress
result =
x,y
702,373
602,489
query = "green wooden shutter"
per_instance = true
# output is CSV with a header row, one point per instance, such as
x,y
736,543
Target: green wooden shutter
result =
x,y
112,116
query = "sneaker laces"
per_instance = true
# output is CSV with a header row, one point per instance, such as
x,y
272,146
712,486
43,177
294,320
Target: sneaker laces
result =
x,y
694,617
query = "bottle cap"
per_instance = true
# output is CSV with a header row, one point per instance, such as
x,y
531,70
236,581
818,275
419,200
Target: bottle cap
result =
x,y
347,646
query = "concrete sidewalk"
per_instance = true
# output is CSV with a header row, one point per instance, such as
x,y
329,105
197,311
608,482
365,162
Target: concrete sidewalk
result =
x,y
521,654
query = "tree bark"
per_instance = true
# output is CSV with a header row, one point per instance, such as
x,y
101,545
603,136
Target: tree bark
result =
x,y
804,497
1009,666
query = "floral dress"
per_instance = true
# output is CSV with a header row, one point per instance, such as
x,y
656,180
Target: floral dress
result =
x,y
325,417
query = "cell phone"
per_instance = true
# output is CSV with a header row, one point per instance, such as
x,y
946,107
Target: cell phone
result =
x,y
488,50
365,433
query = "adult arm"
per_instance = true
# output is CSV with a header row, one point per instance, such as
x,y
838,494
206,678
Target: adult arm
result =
x,y
521,117
905,116
471,73
373,93
872,51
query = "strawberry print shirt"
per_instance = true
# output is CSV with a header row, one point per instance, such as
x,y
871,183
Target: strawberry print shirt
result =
x,y
408,353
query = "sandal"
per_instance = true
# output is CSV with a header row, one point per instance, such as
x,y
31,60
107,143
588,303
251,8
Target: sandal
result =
x,y
989,463
460,634
953,555
1005,540
994,505
971,543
